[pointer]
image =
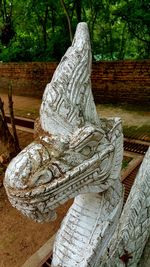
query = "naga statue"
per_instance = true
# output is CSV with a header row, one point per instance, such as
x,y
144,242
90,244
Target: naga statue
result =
x,y
78,155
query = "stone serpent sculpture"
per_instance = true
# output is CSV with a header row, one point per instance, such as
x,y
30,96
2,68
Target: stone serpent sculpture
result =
x,y
77,155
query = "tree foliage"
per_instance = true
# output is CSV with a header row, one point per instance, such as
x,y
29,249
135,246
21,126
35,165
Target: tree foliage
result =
x,y
41,30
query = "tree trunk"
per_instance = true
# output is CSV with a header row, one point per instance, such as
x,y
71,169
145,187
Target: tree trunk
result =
x,y
68,19
122,45
9,145
45,27
11,111
78,10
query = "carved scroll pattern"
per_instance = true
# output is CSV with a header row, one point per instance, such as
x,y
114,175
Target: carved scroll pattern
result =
x,y
68,101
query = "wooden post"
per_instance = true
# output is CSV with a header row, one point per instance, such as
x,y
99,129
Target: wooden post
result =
x,y
10,101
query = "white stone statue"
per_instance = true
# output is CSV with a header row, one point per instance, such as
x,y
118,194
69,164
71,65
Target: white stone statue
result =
x,y
76,154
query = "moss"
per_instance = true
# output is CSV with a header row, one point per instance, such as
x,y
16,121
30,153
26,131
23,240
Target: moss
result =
x,y
125,162
137,132
30,113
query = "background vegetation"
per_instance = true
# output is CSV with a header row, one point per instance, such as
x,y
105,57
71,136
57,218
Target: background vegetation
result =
x,y
41,30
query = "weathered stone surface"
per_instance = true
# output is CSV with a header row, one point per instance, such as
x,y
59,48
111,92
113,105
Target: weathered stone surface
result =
x,y
76,154
133,230
145,259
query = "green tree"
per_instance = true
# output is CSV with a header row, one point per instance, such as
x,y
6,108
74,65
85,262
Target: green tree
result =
x,y
7,28
136,15
41,30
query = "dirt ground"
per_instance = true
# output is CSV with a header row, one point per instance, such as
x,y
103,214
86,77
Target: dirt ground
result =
x,y
19,236
23,106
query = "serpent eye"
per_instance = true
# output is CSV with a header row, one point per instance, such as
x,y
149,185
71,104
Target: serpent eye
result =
x,y
89,149
43,177
86,151
85,137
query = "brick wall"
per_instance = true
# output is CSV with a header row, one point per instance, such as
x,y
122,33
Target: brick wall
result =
x,y
28,79
112,82
122,82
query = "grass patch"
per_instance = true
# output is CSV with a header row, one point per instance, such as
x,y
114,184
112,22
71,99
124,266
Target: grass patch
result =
x,y
137,132
30,114
137,108
129,107
125,162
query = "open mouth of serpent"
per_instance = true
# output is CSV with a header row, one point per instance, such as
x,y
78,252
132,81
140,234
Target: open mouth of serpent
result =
x,y
92,170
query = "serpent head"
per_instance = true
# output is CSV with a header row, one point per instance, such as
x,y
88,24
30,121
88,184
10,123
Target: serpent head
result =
x,y
74,151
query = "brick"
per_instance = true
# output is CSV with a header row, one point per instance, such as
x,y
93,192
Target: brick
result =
x,y
112,81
